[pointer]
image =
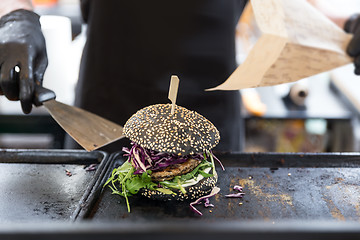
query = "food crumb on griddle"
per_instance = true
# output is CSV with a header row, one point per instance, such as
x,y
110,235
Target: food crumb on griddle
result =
x,y
68,173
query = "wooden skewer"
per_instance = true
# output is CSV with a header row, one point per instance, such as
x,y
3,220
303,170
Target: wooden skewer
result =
x,y
173,89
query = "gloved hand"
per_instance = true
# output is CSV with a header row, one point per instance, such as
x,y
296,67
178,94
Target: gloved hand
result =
x,y
22,44
352,25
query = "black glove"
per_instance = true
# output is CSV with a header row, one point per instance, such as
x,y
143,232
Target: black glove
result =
x,y
22,44
352,25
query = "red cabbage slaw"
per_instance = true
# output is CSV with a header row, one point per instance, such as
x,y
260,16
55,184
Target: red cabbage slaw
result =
x,y
215,191
236,195
144,159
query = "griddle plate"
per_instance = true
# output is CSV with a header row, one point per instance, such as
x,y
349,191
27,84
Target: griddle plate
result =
x,y
276,186
43,186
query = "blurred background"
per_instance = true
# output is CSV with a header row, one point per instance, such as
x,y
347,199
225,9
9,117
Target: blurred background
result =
x,y
317,114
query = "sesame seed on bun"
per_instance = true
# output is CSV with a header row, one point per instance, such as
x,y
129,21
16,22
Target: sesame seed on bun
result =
x,y
183,133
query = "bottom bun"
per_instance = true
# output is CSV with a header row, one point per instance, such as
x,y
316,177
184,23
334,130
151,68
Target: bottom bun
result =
x,y
196,191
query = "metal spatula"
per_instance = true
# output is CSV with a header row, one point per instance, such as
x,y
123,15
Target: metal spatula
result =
x,y
89,130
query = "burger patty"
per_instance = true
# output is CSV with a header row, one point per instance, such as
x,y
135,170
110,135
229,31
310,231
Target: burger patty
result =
x,y
172,171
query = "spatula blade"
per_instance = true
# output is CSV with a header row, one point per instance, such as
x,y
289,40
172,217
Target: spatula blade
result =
x,y
89,130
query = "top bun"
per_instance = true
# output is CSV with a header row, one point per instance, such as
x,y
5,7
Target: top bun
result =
x,y
183,133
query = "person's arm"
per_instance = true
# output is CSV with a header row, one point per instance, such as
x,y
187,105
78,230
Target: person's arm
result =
x,y
22,45
7,6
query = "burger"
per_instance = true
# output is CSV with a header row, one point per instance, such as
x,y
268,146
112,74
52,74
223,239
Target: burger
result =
x,y
170,157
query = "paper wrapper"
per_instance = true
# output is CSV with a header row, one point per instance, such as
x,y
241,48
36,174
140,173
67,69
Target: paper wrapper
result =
x,y
296,42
